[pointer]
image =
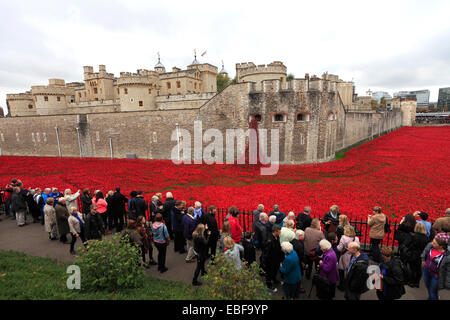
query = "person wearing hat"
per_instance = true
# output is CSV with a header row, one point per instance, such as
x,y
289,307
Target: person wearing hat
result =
x,y
433,256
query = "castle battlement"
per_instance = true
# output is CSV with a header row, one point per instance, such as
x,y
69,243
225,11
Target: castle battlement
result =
x,y
19,96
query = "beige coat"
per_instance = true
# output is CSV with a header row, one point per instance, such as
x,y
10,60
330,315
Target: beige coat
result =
x,y
49,217
74,224
376,224
71,200
312,239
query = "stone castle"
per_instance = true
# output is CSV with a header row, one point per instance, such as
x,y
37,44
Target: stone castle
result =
x,y
136,113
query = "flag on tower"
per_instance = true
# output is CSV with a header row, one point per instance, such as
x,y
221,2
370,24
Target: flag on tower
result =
x,y
203,53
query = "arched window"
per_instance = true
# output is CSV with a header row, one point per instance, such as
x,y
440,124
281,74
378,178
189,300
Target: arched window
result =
x,y
331,116
256,116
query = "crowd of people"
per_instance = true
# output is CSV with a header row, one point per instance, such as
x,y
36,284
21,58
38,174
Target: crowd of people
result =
x,y
291,246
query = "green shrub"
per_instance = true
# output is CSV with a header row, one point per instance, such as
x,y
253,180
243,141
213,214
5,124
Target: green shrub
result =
x,y
110,264
223,281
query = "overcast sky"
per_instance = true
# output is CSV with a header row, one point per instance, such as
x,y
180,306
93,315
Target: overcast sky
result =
x,y
381,45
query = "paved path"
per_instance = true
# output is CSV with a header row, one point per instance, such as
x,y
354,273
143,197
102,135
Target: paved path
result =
x,y
33,240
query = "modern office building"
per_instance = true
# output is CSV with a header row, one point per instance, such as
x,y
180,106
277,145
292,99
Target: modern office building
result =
x,y
381,94
422,97
444,97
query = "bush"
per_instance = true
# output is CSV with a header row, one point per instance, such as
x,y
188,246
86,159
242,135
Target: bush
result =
x,y
110,264
223,281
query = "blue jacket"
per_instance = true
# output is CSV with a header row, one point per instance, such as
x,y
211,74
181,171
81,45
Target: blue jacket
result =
x,y
291,268
189,225
45,197
280,217
160,233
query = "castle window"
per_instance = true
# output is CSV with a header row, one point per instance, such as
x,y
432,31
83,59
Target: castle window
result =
x,y
279,117
95,90
141,103
96,99
118,91
257,117
45,98
58,99
331,116
302,117
30,106
79,94
150,91
101,91
178,84
168,85
125,91
195,85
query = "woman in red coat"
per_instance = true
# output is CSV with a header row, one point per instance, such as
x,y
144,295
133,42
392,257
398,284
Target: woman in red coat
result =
x,y
236,230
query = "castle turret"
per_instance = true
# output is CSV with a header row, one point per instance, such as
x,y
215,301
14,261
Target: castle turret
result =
x,y
252,73
159,67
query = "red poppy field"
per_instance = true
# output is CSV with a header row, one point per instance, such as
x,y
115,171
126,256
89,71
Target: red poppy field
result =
x,y
404,171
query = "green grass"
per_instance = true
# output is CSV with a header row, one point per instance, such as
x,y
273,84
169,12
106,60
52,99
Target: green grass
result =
x,y
25,277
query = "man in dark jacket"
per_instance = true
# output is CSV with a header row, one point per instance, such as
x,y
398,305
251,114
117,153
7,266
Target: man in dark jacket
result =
x,y
392,276
356,278
94,224
272,257
62,216
189,225
177,225
155,206
304,219
256,214
86,201
117,206
211,222
33,206
167,210
261,232
19,204
137,206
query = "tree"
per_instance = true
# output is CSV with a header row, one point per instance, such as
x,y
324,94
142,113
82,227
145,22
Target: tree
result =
x,y
290,77
222,81
374,104
382,103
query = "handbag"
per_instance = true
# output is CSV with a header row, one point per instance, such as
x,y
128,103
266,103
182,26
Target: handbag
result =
x,y
387,226
324,287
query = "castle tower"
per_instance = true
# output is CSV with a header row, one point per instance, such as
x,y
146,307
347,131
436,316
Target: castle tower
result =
x,y
222,71
53,98
98,85
252,73
159,66
138,91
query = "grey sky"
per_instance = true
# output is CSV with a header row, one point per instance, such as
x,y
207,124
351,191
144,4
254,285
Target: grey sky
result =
x,y
382,45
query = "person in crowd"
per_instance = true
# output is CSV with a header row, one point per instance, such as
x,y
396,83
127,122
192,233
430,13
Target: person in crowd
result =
x,y
140,206
260,229
226,232
94,224
71,199
432,257
422,218
403,235
9,189
146,237
62,216
290,216
200,236
76,226
199,213
86,201
177,225
249,248
333,239
272,257
40,202
290,268
442,225
256,213
414,247
299,248
50,219
167,209
14,184
32,205
108,199
233,251
287,232
328,269
117,209
278,214
376,233
345,255
102,207
356,273
213,228
391,276
313,236
155,207
343,221
131,235
270,223
331,219
161,240
19,205
55,194
444,271
304,219
189,225
131,206
235,227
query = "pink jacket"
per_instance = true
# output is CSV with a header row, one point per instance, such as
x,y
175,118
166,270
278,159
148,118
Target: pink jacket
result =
x,y
101,205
